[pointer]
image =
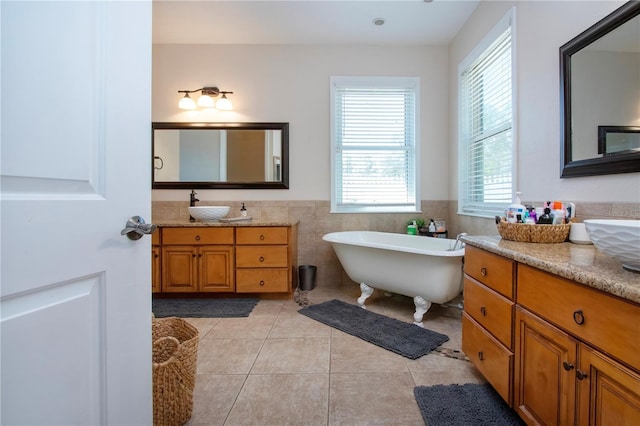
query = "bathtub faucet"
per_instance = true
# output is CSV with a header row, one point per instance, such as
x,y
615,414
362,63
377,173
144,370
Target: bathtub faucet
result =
x,y
459,243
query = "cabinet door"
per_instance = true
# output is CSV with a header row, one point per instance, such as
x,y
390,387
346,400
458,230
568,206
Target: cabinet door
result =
x,y
179,270
608,393
156,278
545,379
215,269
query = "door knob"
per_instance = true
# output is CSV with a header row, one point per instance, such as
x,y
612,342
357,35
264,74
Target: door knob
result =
x,y
135,228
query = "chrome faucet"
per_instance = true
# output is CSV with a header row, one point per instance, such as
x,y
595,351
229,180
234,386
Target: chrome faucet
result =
x,y
458,244
192,203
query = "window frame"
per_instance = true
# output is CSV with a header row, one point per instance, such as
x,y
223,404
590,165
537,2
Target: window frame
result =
x,y
375,82
485,209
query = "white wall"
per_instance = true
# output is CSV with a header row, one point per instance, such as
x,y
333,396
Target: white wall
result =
x,y
290,83
541,28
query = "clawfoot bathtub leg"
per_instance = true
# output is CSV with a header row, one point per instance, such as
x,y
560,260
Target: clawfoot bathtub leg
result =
x,y
422,306
366,292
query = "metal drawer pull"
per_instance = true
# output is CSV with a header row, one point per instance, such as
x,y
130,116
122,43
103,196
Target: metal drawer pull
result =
x,y
483,311
581,375
262,282
480,356
262,237
483,272
197,237
261,259
567,365
578,317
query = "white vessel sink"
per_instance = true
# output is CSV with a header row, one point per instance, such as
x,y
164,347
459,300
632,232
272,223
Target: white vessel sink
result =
x,y
617,238
209,213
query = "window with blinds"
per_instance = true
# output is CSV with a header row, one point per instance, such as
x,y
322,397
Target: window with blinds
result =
x,y
374,147
486,148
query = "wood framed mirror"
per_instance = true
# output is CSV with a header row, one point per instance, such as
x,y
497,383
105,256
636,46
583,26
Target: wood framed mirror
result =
x,y
220,155
600,87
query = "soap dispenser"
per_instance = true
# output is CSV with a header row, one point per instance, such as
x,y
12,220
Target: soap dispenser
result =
x,y
515,209
412,229
243,211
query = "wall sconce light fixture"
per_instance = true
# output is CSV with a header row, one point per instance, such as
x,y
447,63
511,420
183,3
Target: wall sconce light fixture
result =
x,y
206,99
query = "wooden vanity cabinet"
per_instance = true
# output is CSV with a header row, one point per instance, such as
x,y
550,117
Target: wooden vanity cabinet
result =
x,y
487,320
264,259
575,348
571,346
197,260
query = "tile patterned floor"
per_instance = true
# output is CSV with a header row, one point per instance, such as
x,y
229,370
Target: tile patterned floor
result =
x,y
278,367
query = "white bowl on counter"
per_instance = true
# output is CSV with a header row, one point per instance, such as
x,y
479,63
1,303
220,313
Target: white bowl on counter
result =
x,y
617,238
209,213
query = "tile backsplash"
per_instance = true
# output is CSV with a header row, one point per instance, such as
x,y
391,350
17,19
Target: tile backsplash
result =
x,y
315,221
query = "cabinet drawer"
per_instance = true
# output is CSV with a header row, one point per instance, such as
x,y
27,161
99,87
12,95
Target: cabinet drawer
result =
x,y
261,256
490,269
194,236
262,235
604,321
493,360
491,310
262,280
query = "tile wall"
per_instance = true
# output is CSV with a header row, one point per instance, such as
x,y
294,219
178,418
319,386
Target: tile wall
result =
x,y
315,221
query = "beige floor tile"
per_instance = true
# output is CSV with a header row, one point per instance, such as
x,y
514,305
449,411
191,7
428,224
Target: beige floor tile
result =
x,y
351,354
366,399
282,399
213,397
291,325
435,369
299,355
272,367
227,356
253,326
268,307
204,325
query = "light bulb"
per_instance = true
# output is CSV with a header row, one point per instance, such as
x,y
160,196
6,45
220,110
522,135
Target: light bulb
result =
x,y
224,103
206,101
186,102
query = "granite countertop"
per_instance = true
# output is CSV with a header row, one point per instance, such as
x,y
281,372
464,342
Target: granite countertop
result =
x,y
582,263
253,222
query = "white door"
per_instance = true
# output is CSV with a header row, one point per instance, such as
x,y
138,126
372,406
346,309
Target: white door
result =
x,y
75,300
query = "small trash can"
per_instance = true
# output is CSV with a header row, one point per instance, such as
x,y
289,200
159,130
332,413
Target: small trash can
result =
x,y
306,277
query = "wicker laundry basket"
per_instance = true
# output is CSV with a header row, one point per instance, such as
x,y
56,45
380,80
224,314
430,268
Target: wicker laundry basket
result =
x,y
175,352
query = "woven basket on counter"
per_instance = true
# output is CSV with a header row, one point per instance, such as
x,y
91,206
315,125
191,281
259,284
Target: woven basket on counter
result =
x,y
529,233
175,352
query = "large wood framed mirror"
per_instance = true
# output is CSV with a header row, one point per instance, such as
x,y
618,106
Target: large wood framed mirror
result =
x,y
220,155
599,90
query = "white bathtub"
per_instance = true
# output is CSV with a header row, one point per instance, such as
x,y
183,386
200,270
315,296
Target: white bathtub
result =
x,y
420,267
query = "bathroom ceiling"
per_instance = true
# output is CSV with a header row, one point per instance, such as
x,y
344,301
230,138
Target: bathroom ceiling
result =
x,y
407,22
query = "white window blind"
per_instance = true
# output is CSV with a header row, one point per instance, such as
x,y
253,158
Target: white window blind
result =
x,y
486,152
374,145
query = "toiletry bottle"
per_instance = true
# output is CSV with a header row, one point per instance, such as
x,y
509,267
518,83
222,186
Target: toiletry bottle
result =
x,y
432,226
515,209
243,211
545,219
533,215
412,229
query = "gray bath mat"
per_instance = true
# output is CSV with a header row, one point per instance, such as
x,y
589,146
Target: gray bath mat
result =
x,y
400,337
202,308
463,405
